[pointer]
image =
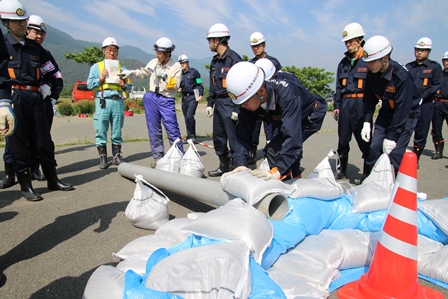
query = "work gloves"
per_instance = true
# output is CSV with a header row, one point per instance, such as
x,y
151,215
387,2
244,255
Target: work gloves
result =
x,y
125,74
267,174
45,90
53,101
365,132
161,74
209,111
336,114
7,118
234,116
388,146
236,170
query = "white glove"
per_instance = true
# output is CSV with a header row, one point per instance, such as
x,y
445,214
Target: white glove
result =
x,y
365,132
236,170
7,118
209,111
161,74
388,146
53,101
125,74
45,90
234,116
266,174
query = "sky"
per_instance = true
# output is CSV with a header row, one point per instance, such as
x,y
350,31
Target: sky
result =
x,y
298,32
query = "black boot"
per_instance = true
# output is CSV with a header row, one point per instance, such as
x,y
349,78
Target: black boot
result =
x,y
9,178
252,155
438,150
365,173
418,151
102,151
28,192
116,152
35,171
341,168
53,182
224,162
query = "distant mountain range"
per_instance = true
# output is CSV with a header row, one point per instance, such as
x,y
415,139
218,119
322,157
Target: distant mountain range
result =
x,y
60,43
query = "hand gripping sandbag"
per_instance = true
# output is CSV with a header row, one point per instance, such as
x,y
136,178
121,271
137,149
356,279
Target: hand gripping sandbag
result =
x,y
171,160
191,163
148,208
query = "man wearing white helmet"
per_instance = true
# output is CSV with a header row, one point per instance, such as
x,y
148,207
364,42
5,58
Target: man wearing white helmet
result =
x,y
440,111
191,81
32,73
109,106
348,98
258,45
390,82
299,112
37,31
164,80
225,113
427,74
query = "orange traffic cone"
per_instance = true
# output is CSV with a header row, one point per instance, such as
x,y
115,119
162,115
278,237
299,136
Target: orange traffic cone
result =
x,y
393,272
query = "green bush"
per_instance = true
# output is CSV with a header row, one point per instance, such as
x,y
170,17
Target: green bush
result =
x,y
65,109
330,107
84,107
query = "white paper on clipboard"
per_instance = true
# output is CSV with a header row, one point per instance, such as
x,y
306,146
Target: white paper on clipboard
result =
x,y
113,67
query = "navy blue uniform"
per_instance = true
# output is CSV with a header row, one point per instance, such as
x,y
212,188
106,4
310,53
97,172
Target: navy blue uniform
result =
x,y
440,109
223,125
398,114
296,112
348,98
56,88
427,78
5,83
269,131
191,79
30,66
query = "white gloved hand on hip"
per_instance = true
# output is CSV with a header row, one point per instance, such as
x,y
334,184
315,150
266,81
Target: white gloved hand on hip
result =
x,y
45,90
388,146
234,116
209,111
7,118
365,132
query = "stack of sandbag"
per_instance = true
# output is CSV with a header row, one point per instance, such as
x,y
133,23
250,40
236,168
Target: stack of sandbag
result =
x,y
171,160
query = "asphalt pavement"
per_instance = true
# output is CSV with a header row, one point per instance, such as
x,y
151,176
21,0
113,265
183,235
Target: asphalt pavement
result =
x,y
49,249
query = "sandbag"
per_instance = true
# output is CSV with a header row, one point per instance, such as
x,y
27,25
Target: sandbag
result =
x,y
173,229
171,160
437,265
106,282
437,211
191,163
148,208
144,245
426,248
322,188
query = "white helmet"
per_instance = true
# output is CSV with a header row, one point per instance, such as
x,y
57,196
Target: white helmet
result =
x,y
445,56
183,58
164,44
37,22
244,79
12,10
256,38
109,41
218,30
376,47
352,30
424,43
267,66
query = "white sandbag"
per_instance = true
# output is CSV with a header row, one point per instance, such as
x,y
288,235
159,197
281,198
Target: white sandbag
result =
x,y
250,188
437,265
325,250
323,169
371,197
218,271
426,248
173,229
234,221
320,188
148,208
294,287
307,269
355,246
146,244
106,282
191,163
264,165
437,211
381,171
171,160
135,262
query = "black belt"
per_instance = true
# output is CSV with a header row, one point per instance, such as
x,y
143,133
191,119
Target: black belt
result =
x,y
25,87
441,100
188,94
115,97
223,95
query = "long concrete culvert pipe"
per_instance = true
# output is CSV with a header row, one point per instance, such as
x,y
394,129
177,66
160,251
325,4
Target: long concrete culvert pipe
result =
x,y
274,205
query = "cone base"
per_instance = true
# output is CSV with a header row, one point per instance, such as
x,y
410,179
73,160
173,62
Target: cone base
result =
x,y
360,290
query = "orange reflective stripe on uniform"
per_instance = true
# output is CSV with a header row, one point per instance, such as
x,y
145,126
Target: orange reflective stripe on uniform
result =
x,y
11,73
425,81
392,103
37,74
344,81
360,83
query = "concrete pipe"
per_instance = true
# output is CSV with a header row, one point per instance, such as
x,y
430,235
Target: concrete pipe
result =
x,y
274,206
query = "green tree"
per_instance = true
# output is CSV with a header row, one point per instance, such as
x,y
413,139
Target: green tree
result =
x,y
245,57
316,80
89,56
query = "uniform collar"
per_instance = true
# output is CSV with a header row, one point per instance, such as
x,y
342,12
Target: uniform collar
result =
x,y
225,54
358,54
389,71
